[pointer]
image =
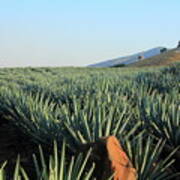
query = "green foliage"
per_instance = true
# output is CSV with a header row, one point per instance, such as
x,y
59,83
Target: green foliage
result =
x,y
57,167
80,105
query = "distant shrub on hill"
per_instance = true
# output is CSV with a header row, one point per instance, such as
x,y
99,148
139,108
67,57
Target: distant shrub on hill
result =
x,y
163,50
119,65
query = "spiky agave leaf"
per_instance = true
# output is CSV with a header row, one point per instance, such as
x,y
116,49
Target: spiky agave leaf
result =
x,y
161,116
100,117
64,168
146,157
34,116
2,171
59,167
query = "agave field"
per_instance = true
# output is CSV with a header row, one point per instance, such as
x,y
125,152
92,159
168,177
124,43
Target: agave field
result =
x,y
46,114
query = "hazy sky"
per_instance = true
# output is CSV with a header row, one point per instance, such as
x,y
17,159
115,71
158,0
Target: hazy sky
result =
x,y
81,32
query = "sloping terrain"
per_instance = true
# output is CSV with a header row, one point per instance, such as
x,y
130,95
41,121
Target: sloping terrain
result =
x,y
131,58
163,59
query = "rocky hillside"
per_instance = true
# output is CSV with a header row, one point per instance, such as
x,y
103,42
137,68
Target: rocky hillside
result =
x,y
166,58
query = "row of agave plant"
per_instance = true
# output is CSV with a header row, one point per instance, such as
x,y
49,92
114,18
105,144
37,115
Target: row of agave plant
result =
x,y
60,167
140,111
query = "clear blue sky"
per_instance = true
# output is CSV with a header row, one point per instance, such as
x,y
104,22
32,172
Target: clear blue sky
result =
x,y
81,32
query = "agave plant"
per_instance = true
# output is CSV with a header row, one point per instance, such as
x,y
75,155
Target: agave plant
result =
x,y
146,157
161,115
57,168
33,116
82,105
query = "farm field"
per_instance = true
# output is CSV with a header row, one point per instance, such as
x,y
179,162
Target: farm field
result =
x,y
48,114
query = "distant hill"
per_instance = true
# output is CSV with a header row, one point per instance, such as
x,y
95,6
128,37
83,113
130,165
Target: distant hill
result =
x,y
166,58
130,59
